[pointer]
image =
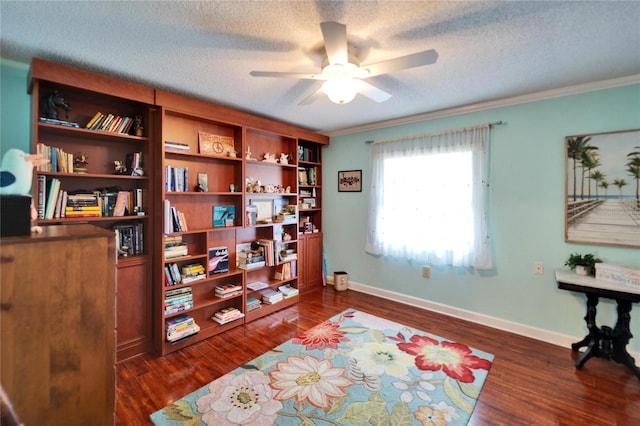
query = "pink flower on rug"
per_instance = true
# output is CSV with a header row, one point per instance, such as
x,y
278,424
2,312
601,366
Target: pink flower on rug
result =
x,y
454,359
322,336
308,378
246,399
429,417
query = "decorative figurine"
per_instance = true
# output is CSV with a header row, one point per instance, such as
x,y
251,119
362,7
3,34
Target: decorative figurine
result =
x,y
284,158
269,158
231,152
119,167
80,163
248,154
137,125
49,105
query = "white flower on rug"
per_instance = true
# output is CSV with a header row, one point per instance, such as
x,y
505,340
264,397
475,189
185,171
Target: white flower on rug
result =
x,y
448,411
382,358
309,379
245,399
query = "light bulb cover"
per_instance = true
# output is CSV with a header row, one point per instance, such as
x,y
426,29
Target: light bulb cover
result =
x,y
340,90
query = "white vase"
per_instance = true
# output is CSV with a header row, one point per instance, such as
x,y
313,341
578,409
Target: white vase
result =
x,y
581,270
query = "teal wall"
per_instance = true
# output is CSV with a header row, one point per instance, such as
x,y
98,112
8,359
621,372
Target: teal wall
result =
x,y
527,193
15,104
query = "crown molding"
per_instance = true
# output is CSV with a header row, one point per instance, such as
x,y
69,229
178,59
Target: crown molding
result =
x,y
498,103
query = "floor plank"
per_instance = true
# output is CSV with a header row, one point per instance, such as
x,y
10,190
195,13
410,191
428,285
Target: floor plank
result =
x,y
530,382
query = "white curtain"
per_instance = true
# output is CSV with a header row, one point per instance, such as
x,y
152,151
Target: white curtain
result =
x,y
428,198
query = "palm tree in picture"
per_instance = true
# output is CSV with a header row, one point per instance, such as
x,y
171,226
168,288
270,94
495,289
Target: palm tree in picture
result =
x,y
604,185
597,176
633,167
620,183
575,148
590,161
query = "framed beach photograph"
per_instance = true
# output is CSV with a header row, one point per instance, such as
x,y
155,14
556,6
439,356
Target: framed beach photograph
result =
x,y
350,181
602,188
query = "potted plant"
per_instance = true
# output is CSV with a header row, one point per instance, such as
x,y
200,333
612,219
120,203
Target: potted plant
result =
x,y
582,264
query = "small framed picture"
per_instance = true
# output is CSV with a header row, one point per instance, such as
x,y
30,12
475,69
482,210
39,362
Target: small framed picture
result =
x,y
350,181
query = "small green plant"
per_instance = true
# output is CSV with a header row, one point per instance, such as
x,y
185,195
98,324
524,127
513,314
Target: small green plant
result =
x,y
588,261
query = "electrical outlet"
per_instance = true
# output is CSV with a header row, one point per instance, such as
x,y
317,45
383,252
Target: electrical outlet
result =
x,y
426,272
538,268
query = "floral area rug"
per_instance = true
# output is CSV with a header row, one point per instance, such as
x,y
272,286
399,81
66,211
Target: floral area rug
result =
x,y
352,369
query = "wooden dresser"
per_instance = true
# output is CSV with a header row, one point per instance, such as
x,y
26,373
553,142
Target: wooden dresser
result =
x,y
57,323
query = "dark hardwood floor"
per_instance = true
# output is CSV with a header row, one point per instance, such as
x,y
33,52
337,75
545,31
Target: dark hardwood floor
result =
x,y
530,382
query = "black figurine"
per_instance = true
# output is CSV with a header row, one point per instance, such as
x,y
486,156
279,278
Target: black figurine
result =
x,y
50,103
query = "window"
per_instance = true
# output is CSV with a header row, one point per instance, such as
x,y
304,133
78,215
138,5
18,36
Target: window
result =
x,y
428,198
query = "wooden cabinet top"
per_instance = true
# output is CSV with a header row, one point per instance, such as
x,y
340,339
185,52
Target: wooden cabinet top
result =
x,y
56,232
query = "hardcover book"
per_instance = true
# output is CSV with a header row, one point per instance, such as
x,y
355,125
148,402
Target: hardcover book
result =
x,y
223,216
218,260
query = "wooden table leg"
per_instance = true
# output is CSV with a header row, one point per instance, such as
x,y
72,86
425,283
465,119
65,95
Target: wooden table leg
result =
x,y
591,340
621,336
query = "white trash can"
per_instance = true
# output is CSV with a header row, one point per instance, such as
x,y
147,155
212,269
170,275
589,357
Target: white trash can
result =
x,y
340,280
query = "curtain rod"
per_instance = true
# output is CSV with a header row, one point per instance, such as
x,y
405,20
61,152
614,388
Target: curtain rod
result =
x,y
495,123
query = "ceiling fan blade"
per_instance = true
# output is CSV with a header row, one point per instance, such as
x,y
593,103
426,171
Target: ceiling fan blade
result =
x,y
371,92
288,75
312,97
335,42
419,59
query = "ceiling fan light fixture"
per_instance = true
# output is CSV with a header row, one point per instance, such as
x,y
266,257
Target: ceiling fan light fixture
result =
x,y
340,91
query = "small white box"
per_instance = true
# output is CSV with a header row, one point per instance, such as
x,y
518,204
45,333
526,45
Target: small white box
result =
x,y
621,274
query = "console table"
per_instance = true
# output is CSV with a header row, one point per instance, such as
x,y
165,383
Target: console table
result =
x,y
603,341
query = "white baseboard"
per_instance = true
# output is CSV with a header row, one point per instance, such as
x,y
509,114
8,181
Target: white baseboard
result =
x,y
543,335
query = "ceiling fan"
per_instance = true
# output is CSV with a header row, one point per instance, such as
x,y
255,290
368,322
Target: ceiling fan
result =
x,y
343,77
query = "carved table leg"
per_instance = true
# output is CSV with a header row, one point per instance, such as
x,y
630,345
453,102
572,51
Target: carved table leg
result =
x,y
621,336
592,340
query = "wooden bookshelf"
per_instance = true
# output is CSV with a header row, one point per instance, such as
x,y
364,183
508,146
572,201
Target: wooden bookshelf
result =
x,y
89,93
169,145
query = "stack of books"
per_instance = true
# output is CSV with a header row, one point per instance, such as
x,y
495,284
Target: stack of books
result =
x,y
257,285
176,146
253,304
177,300
227,315
228,290
175,247
192,272
179,327
271,297
248,258
288,291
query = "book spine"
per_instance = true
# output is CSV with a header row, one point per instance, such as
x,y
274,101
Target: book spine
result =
x,y
42,190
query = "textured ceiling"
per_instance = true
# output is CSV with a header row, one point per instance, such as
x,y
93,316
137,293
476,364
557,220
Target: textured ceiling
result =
x,y
206,49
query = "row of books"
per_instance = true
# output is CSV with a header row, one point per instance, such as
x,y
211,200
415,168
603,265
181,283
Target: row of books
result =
x,y
55,202
176,179
110,123
307,154
228,290
270,296
179,327
227,315
175,247
174,275
59,160
129,239
174,219
307,176
177,300
286,271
